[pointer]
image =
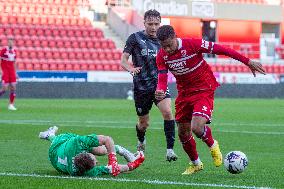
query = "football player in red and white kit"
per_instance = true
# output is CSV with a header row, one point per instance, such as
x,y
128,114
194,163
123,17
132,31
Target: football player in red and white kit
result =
x,y
8,72
196,85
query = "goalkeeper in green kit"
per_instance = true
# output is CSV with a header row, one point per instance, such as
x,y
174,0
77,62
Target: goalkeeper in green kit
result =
x,y
76,155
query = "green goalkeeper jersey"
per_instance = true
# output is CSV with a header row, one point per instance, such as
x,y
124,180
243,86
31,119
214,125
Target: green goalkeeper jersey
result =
x,y
66,146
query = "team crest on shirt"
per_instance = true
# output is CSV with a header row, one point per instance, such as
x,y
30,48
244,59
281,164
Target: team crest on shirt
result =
x,y
204,108
183,53
165,57
205,44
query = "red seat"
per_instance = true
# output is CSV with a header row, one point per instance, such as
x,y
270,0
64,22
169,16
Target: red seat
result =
x,y
21,65
68,66
39,32
61,66
40,54
75,44
102,55
31,31
72,55
43,20
28,20
90,44
43,43
55,32
44,65
16,31
37,65
47,32
70,33
67,44
51,43
48,53
20,42
82,44
60,43
36,20
79,55
53,65
95,55
63,33
28,43
78,33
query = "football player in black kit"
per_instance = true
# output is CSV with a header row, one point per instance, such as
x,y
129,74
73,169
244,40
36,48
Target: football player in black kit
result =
x,y
143,46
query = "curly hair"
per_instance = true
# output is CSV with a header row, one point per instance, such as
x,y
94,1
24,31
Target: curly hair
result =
x,y
165,32
152,13
83,162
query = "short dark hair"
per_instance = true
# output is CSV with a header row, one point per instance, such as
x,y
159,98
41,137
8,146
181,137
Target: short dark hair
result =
x,y
152,13
165,32
83,163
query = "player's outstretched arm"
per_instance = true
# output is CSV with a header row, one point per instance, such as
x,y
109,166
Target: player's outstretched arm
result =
x,y
256,66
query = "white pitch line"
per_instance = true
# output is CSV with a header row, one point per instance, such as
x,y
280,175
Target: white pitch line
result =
x,y
153,182
90,125
132,122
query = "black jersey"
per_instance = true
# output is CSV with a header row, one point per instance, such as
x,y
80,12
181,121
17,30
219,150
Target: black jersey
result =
x,y
144,51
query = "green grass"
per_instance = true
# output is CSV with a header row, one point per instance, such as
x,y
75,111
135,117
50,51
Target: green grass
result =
x,y
254,126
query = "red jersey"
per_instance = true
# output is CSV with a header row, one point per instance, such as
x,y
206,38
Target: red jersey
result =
x,y
8,58
191,71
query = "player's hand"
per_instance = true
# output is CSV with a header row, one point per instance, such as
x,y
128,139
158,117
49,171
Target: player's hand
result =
x,y
160,94
112,162
135,71
256,66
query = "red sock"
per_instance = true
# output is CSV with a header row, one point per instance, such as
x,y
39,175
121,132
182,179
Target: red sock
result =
x,y
207,136
189,146
12,97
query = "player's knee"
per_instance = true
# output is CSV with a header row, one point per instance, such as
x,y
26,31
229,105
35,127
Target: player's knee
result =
x,y
197,127
143,125
167,115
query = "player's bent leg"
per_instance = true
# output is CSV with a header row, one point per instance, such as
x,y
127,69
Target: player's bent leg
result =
x,y
204,132
141,127
128,156
169,127
49,134
4,88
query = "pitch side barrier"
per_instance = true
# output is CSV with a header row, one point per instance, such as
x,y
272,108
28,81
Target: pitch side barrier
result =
x,y
118,84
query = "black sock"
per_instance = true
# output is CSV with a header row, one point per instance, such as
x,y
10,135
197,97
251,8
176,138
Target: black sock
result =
x,y
140,134
169,129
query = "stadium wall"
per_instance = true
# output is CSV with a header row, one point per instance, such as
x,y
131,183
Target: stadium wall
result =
x,y
120,90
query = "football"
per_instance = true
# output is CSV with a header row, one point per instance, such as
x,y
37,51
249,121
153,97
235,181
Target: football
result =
x,y
235,162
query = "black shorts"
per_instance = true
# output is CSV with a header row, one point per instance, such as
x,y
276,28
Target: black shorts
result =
x,y
144,100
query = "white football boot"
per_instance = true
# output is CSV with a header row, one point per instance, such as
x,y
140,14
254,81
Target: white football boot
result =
x,y
12,107
51,131
170,155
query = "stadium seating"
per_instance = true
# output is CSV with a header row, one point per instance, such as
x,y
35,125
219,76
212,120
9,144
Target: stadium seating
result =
x,y
51,35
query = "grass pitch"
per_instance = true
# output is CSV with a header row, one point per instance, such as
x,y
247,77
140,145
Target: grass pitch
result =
x,y
254,126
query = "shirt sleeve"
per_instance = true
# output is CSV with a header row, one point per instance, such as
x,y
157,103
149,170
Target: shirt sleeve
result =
x,y
89,141
162,72
97,170
1,54
130,44
203,46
